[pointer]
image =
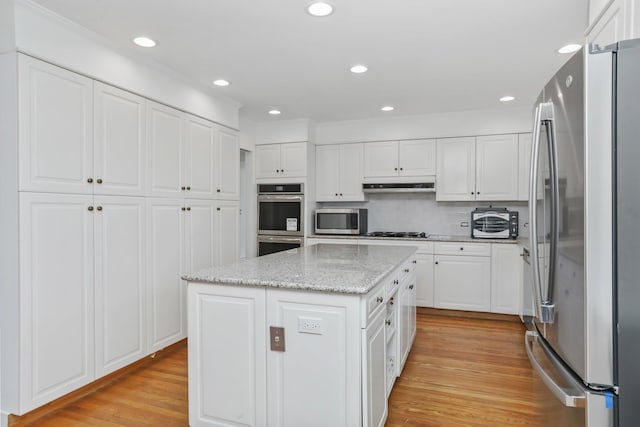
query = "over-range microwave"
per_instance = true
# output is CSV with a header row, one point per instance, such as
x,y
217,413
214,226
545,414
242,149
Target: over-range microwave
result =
x,y
341,221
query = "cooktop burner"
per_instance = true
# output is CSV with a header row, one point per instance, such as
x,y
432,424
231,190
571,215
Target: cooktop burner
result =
x,y
398,234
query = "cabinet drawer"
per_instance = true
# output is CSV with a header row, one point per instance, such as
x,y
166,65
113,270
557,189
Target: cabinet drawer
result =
x,y
463,248
374,303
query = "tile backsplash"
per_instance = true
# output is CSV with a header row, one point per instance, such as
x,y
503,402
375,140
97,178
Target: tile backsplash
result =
x,y
421,212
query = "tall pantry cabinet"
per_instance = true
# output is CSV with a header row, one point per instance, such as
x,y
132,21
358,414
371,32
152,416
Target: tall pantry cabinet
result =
x,y
118,196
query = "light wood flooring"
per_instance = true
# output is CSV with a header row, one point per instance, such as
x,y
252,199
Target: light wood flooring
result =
x,y
460,372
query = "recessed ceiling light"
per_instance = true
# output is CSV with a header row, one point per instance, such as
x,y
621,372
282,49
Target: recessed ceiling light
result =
x,y
387,108
570,48
221,82
144,42
507,98
359,69
274,112
320,9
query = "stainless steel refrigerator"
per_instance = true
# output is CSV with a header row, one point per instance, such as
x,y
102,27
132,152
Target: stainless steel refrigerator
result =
x,y
584,207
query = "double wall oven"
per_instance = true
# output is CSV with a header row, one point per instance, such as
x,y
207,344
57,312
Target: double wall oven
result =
x,y
280,217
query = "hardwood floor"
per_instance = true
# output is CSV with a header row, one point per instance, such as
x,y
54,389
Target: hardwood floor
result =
x,y
460,372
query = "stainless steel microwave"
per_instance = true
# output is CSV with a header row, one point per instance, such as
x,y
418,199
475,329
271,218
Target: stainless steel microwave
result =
x,y
341,221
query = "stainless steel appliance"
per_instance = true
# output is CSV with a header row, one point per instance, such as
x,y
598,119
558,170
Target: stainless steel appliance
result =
x,y
399,234
584,209
280,217
494,223
400,187
341,221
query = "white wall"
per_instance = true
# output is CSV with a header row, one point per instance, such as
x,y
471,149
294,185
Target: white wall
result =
x,y
7,33
45,35
465,123
283,131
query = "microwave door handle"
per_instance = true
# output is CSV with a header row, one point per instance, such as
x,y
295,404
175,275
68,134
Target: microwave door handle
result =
x,y
533,211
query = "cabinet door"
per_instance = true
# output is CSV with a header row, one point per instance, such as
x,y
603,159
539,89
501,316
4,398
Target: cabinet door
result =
x,y
328,173
417,157
506,278
351,172
57,297
165,258
119,142
55,128
227,232
456,170
380,159
497,167
322,347
200,235
524,165
610,28
424,280
166,150
227,386
228,178
374,389
293,159
201,158
119,282
267,161
406,307
462,282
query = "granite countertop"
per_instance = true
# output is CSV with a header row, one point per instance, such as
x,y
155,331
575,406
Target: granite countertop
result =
x,y
431,238
347,269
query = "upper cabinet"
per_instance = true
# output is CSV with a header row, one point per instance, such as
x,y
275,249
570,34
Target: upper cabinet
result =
x,y
413,158
612,21
288,160
524,165
55,129
482,168
339,173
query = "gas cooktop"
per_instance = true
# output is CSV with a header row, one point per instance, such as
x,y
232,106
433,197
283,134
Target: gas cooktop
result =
x,y
398,234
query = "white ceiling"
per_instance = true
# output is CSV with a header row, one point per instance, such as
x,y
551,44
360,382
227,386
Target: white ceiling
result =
x,y
424,56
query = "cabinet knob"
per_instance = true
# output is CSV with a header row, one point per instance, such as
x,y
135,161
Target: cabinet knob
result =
x,y
462,249
401,169
188,188
90,208
218,209
277,170
183,188
436,262
411,287
414,261
395,169
336,194
379,299
189,208
387,322
89,180
99,180
281,170
395,282
99,208
184,209
391,301
477,192
472,193
218,190
341,194
406,270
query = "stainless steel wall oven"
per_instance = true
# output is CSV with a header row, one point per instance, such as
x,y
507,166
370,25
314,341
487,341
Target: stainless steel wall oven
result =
x,y
280,217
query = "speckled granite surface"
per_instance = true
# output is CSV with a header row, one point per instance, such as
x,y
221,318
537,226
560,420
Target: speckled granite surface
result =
x,y
431,238
348,269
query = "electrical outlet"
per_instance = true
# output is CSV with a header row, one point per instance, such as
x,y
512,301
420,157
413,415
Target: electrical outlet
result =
x,y
310,325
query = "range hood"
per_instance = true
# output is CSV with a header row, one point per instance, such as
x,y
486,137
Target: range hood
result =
x,y
400,187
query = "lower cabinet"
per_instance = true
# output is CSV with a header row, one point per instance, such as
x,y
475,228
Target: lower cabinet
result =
x,y
506,279
424,279
463,282
332,370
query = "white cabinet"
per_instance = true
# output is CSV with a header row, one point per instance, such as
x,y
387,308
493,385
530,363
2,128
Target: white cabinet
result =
x,y
201,248
55,128
339,173
227,231
166,149
227,166
524,165
506,278
411,158
119,162
56,306
424,279
497,167
165,258
374,369
120,290
482,168
201,155
287,160
227,385
407,318
463,276
456,169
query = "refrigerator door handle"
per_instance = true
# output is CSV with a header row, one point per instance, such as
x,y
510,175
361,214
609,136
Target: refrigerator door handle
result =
x,y
548,116
533,211
568,399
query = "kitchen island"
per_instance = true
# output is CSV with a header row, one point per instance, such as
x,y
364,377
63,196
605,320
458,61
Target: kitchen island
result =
x,y
313,336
